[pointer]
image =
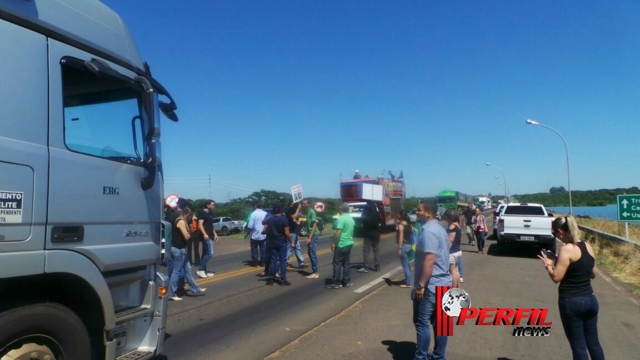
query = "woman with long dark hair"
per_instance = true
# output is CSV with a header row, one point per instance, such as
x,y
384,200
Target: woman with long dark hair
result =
x,y
573,269
405,235
179,240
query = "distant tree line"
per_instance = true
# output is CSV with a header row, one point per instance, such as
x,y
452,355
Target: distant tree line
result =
x,y
559,196
240,208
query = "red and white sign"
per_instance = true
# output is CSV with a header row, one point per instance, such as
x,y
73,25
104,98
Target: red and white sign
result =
x,y
319,206
172,200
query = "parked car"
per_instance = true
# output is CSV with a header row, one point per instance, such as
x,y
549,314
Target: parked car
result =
x,y
226,225
526,224
496,216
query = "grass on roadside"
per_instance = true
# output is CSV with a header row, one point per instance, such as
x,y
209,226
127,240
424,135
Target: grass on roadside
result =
x,y
611,227
622,260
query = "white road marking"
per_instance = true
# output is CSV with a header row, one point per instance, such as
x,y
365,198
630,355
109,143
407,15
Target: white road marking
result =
x,y
376,281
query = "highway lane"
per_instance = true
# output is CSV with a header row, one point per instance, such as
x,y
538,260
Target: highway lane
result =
x,y
241,318
380,326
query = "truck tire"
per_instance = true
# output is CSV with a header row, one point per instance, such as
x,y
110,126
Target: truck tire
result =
x,y
225,231
45,329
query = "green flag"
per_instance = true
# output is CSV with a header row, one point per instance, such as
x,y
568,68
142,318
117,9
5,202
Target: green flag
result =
x,y
416,233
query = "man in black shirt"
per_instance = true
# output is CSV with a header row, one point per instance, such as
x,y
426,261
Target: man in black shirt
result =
x,y
292,217
278,235
468,219
205,226
371,222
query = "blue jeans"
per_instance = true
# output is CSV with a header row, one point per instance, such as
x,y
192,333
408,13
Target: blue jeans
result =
x,y
311,251
580,322
278,257
480,242
423,314
404,260
342,259
460,265
296,241
255,244
170,268
181,262
207,253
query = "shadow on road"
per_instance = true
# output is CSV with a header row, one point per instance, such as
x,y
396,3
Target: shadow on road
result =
x,y
390,282
404,350
518,251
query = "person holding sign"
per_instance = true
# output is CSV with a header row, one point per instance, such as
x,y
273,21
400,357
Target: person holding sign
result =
x,y
312,240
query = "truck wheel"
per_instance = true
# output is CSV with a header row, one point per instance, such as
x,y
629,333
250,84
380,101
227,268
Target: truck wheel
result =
x,y
43,331
225,231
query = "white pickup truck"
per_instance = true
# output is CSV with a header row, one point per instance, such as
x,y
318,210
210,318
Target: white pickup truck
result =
x,y
226,225
526,224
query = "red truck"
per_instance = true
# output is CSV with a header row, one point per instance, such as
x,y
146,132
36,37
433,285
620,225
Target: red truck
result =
x,y
387,194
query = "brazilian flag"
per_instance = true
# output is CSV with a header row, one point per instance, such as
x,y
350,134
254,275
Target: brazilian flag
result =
x,y
416,228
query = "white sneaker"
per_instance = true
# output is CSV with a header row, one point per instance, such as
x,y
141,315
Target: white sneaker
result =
x,y
175,298
201,290
313,276
201,274
461,280
210,274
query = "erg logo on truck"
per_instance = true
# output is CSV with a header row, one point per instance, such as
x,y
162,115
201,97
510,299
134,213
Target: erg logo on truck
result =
x,y
453,302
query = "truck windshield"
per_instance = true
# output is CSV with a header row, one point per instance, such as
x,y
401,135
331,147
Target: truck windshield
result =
x,y
523,210
446,199
102,115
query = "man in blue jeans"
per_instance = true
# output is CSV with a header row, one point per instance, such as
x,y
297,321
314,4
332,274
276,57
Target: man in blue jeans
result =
x,y
205,226
431,270
312,240
292,214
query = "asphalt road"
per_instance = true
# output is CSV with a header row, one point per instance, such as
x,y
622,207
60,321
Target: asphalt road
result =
x,y
380,326
239,317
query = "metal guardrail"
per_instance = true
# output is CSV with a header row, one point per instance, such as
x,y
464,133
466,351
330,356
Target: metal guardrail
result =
x,y
606,236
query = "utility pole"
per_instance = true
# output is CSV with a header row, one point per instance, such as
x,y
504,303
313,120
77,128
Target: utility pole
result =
x,y
229,196
209,186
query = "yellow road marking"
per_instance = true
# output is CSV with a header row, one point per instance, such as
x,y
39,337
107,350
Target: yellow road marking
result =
x,y
250,270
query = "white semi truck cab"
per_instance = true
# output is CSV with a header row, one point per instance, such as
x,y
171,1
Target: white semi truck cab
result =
x,y
80,186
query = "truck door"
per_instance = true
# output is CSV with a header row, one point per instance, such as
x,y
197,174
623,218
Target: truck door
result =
x,y
96,204
23,150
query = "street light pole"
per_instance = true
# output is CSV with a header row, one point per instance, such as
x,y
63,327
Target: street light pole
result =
x,y
502,185
566,148
506,197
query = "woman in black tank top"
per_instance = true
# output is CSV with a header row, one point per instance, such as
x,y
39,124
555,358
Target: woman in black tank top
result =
x,y
573,269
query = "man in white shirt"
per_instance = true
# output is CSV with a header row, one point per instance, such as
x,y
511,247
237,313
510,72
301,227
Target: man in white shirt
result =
x,y
258,239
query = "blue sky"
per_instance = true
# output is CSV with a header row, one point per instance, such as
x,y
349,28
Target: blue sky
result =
x,y
277,93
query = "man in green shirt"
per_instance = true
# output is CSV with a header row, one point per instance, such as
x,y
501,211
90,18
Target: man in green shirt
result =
x,y
341,247
312,239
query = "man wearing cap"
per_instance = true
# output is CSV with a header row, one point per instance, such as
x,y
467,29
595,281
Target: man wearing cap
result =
x,y
357,175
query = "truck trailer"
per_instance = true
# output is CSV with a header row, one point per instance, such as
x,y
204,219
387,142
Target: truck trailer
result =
x,y
81,185
386,194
